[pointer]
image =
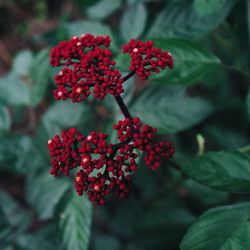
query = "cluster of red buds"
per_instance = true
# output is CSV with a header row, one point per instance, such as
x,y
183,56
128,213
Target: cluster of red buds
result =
x,y
105,167
87,63
146,59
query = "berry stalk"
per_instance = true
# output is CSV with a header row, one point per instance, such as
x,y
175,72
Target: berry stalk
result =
x,y
119,100
123,107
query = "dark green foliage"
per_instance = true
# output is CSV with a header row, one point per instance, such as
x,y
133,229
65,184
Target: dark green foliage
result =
x,y
220,228
175,110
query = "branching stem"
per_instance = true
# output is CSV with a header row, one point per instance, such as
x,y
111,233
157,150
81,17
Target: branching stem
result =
x,y
130,74
123,107
119,100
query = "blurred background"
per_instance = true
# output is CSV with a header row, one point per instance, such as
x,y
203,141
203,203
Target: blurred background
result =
x,y
201,106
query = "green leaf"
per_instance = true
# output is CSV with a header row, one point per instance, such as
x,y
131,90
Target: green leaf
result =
x,y
208,7
133,2
22,63
28,80
173,217
32,242
228,171
103,8
15,215
4,228
205,195
180,19
75,222
44,192
248,103
15,154
124,219
170,110
133,21
163,218
82,27
3,221
8,151
43,238
39,74
191,62
23,148
5,119
225,138
64,115
14,91
106,243
221,228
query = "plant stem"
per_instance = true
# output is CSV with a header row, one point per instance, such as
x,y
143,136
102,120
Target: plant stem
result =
x,y
75,147
123,107
130,74
125,111
119,100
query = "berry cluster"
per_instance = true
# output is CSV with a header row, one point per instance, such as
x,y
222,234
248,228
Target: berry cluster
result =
x,y
144,138
63,151
146,59
105,167
87,63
